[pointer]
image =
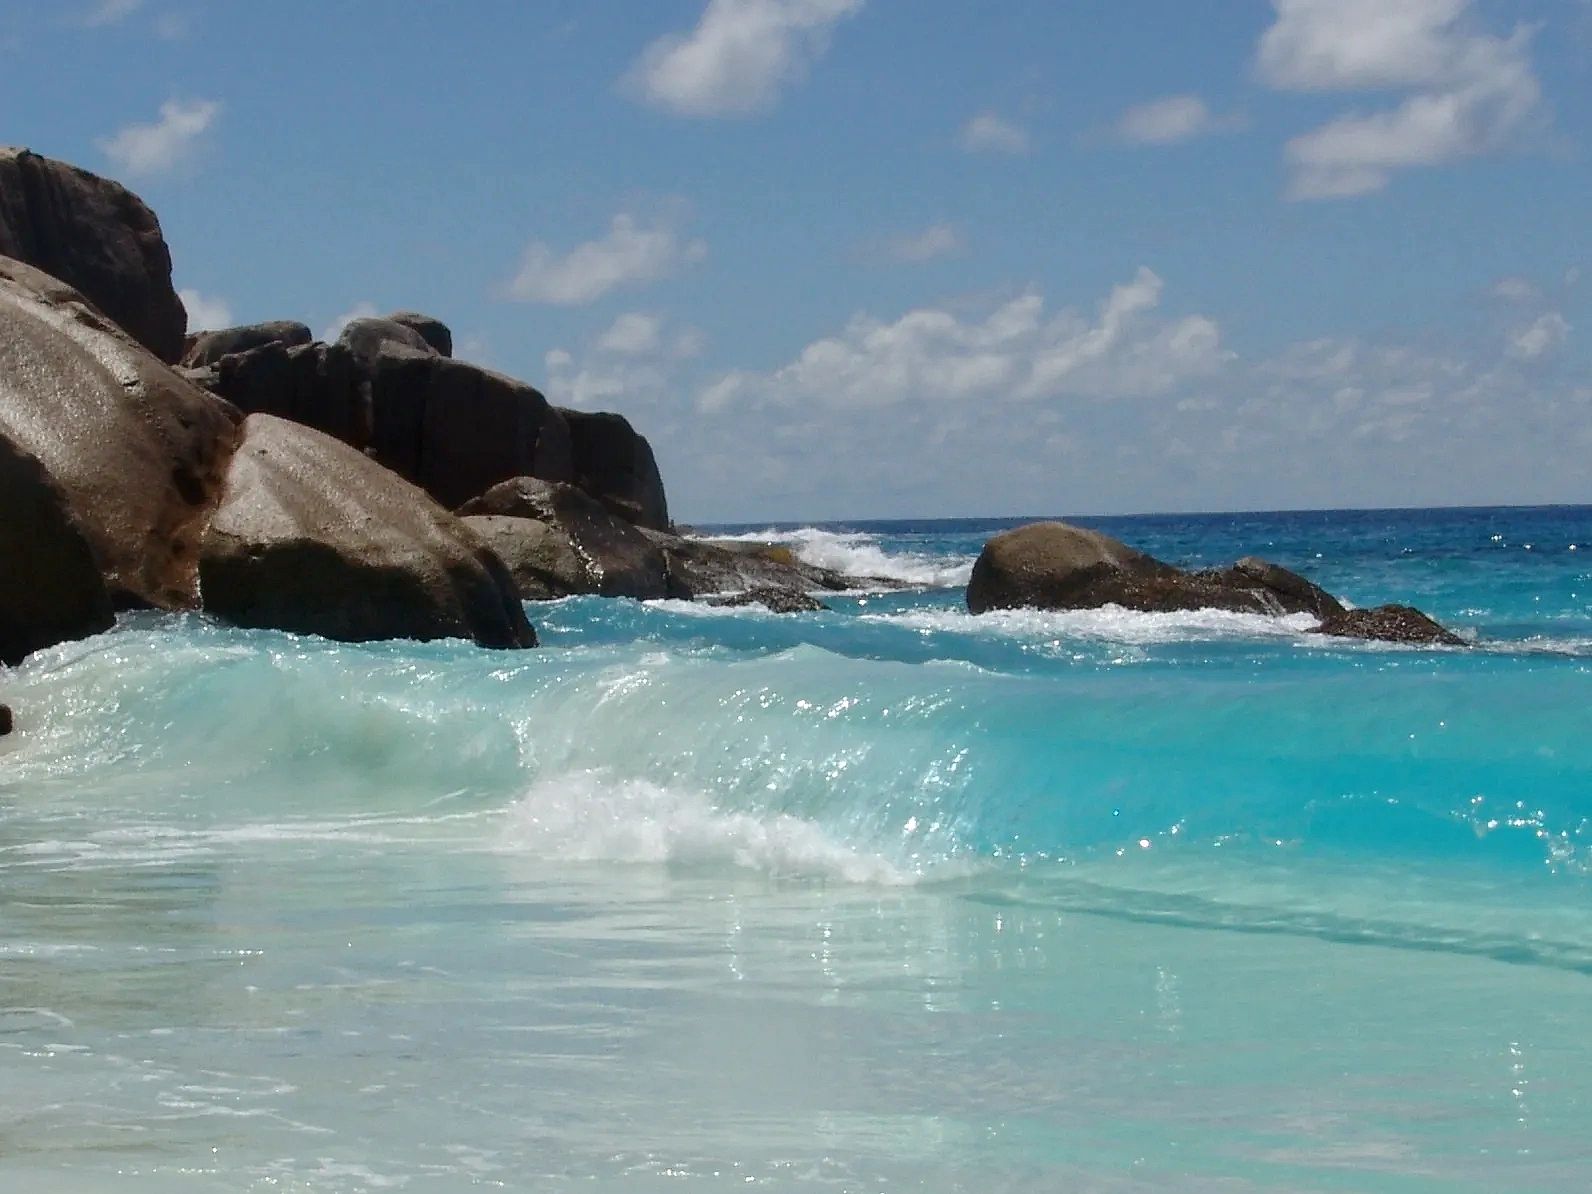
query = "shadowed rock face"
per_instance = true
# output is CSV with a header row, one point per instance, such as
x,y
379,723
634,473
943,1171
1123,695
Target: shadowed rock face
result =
x,y
313,537
98,238
616,466
590,551
206,348
50,587
136,452
1053,565
429,328
706,568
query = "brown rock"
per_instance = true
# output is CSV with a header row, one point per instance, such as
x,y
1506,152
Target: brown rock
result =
x,y
97,237
136,451
778,601
588,550
429,328
311,536
206,348
541,558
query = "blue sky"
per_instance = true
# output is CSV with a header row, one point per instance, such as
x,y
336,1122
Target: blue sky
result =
x,y
871,258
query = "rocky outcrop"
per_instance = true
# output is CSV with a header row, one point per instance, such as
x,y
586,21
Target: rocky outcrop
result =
x,y
367,339
98,238
50,586
614,464
708,567
1053,565
777,601
428,327
206,348
311,536
1389,623
136,452
564,541
314,384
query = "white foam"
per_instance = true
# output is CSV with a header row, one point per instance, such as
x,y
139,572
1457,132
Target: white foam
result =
x,y
589,816
854,553
1108,623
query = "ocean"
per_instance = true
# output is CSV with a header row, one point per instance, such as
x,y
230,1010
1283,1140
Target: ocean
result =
x,y
887,898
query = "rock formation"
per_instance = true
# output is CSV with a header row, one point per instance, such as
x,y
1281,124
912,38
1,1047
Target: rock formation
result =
x,y
208,347
313,537
616,466
564,542
98,238
1053,565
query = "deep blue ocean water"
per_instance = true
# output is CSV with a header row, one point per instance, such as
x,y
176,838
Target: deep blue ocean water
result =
x,y
885,898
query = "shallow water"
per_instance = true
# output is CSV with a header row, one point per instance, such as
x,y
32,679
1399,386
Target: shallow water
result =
x,y
884,898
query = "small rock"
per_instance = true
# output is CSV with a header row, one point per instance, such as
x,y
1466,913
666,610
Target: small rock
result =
x,y
779,601
6,722
430,329
1392,624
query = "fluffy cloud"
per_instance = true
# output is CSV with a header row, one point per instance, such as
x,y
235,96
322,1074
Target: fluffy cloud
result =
x,y
1472,93
205,312
989,133
937,240
633,252
633,362
150,149
1172,119
1539,337
1019,351
739,57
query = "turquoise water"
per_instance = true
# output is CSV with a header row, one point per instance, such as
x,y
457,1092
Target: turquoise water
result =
x,y
888,898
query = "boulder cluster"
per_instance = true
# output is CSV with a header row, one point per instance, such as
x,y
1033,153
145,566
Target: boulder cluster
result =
x,y
374,487
1054,565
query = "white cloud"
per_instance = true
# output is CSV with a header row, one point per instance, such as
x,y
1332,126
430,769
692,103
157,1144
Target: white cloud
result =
x,y
149,149
631,335
206,312
633,361
739,56
1472,93
937,240
108,12
360,310
1018,352
631,253
1542,335
1172,119
1516,290
990,133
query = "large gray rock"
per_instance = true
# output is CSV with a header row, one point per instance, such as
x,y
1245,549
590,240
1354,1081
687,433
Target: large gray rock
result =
x,y
315,384
369,338
583,548
137,453
539,556
97,237
313,537
206,348
615,465
50,586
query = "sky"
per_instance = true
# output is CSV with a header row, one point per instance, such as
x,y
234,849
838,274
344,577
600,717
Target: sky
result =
x,y
879,258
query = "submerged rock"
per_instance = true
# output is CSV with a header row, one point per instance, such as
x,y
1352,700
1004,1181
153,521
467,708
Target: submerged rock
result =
x,y
6,722
778,601
311,536
97,237
1389,623
709,567
560,539
1053,565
